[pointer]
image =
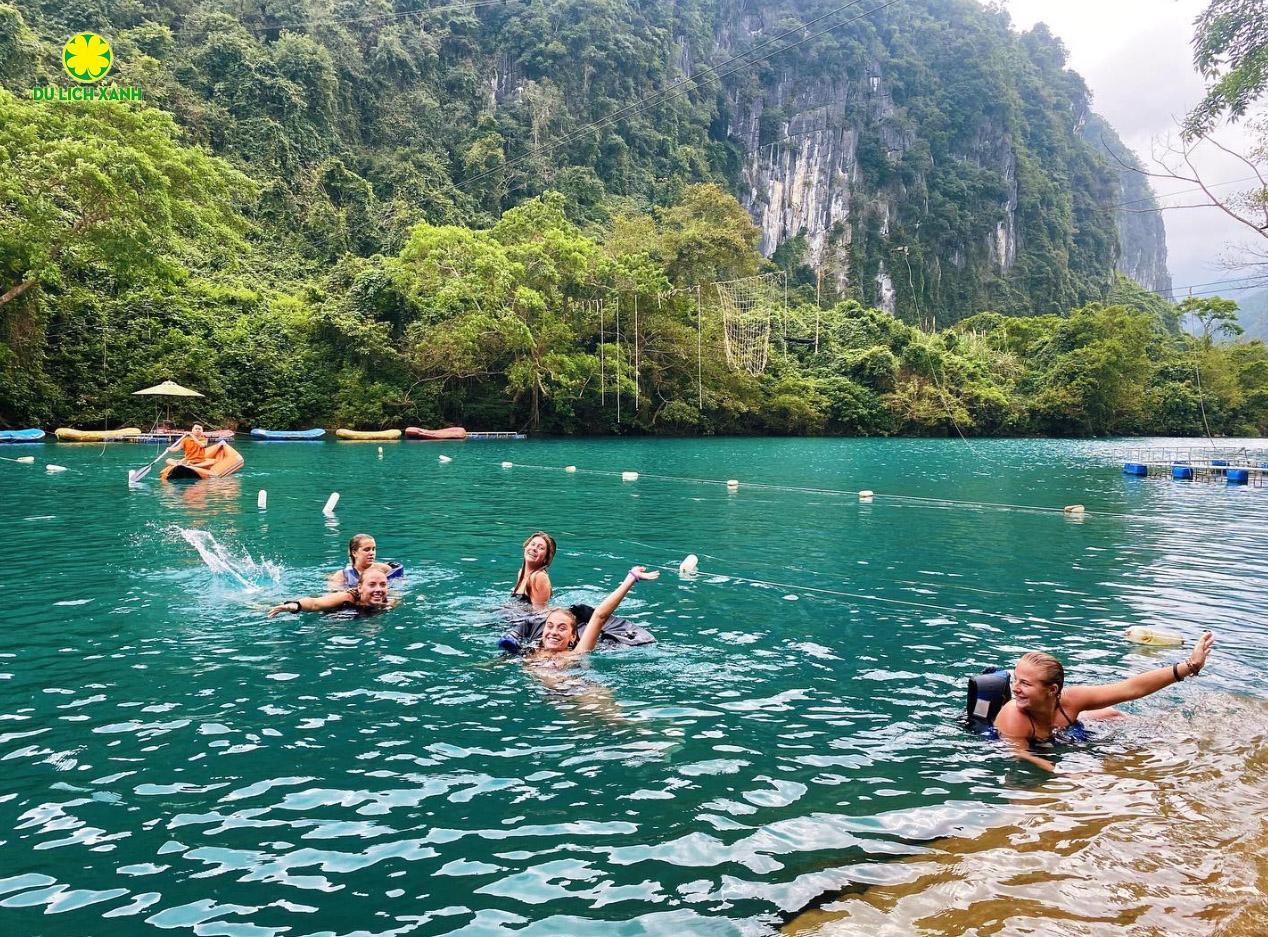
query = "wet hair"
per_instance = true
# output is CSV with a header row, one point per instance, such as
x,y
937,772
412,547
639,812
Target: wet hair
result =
x,y
356,541
522,578
1050,669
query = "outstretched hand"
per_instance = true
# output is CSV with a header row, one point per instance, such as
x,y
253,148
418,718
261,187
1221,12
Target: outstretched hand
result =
x,y
640,572
278,609
1197,660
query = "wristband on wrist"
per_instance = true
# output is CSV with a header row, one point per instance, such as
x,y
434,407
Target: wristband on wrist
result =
x,y
298,608
1175,671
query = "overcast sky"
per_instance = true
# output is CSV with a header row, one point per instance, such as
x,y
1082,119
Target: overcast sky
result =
x,y
1136,57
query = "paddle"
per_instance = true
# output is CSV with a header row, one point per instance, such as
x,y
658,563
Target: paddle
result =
x,y
136,475
25,460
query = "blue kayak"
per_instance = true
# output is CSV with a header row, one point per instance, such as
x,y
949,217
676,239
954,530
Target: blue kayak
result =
x,y
21,435
288,433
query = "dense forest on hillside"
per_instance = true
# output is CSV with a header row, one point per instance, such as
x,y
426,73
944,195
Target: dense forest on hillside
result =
x,y
341,213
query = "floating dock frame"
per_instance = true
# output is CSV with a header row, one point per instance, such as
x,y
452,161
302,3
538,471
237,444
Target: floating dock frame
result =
x,y
502,436
1231,466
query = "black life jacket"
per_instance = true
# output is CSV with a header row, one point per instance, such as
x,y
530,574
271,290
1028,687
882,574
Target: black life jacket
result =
x,y
988,692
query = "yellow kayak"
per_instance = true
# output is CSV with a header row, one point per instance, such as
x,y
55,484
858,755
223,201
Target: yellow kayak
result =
x,y
96,435
381,435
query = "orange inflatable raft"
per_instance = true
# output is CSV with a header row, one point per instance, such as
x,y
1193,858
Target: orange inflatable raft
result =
x,y
227,461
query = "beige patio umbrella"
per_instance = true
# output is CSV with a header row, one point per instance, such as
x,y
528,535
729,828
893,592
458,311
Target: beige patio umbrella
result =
x,y
167,389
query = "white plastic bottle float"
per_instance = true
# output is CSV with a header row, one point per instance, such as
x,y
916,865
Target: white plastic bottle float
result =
x,y
629,476
262,500
444,460
689,566
1154,637
329,509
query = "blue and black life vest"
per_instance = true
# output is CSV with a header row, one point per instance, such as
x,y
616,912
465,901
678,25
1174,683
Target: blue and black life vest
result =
x,y
394,571
988,692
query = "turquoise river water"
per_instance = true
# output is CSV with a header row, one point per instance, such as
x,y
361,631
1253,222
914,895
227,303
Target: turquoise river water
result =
x,y
787,758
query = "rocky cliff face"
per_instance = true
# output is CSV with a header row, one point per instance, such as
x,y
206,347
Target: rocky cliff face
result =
x,y
1142,236
933,163
909,194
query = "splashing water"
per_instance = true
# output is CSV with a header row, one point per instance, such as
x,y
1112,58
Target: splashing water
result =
x,y
244,568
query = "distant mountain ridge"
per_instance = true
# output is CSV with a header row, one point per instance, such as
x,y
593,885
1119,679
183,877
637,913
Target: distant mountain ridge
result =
x,y
1142,236
924,158
1252,315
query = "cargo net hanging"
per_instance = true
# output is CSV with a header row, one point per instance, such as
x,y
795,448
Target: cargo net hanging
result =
x,y
749,306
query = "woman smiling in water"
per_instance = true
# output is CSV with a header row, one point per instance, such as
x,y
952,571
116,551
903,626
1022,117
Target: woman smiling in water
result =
x,y
532,585
371,595
560,642
1043,709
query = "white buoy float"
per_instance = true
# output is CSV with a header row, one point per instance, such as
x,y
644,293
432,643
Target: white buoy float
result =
x,y
329,509
629,476
380,452
1152,636
262,500
24,460
570,468
507,464
1073,509
444,459
55,468
733,483
866,495
689,566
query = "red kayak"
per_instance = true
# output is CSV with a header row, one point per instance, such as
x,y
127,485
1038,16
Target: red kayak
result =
x,y
449,432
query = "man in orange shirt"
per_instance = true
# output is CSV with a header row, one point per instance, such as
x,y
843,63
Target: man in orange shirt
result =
x,y
195,449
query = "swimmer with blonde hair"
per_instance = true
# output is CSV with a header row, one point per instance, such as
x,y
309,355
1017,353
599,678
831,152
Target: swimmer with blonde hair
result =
x,y
560,640
1043,709
370,595
362,553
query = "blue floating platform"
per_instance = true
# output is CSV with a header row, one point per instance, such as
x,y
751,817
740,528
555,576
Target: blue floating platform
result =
x,y
1182,472
1238,476
292,434
1136,468
21,435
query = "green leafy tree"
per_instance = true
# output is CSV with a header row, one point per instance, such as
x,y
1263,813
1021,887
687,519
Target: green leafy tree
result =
x,y
1230,49
1213,315
107,187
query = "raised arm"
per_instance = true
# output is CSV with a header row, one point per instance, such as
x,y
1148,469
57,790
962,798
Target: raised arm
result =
x,y
590,637
1142,684
314,603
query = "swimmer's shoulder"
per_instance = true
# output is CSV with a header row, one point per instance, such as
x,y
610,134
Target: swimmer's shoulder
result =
x,y
1010,722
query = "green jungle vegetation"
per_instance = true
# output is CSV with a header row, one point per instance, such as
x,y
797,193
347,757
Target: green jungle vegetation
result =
x,y
334,214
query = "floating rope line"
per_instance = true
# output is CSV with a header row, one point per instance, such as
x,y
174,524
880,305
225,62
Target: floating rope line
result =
x,y
914,499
